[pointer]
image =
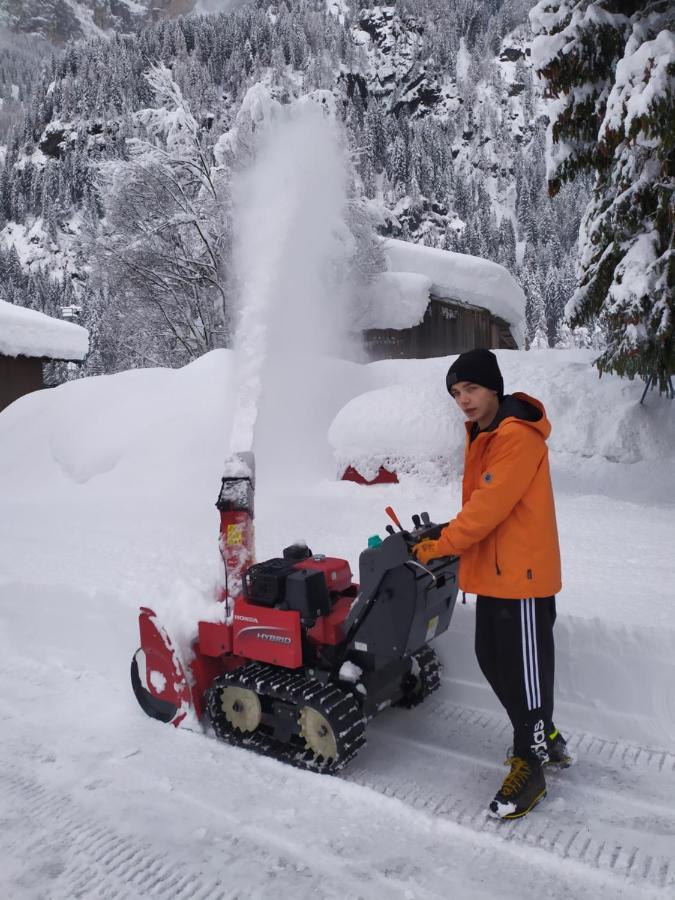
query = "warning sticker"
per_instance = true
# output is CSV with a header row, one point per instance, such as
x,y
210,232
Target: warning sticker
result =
x,y
432,628
235,534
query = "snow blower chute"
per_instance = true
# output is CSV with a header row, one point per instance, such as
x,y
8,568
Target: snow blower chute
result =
x,y
304,656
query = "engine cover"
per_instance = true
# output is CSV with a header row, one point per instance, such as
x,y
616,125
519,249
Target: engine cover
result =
x,y
267,635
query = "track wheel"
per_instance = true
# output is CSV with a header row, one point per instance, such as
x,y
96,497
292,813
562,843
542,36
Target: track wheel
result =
x,y
423,679
330,726
317,733
241,707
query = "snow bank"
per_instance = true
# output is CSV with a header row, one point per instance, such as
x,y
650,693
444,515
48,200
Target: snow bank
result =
x,y
410,422
163,433
143,432
610,677
146,432
26,332
458,276
406,425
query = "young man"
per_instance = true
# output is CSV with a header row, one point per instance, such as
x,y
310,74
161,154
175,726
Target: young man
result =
x,y
507,541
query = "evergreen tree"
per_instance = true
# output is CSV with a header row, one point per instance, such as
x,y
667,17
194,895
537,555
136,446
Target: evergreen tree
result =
x,y
609,67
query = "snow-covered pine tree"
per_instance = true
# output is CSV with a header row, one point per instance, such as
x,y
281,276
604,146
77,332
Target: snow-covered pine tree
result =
x,y
609,70
535,310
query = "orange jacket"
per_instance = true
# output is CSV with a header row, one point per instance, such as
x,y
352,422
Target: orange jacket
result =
x,y
506,534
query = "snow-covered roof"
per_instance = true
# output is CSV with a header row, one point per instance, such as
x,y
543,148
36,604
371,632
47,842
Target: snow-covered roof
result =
x,y
458,276
395,300
25,332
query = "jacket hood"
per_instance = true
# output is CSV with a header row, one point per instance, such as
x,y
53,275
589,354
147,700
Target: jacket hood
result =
x,y
521,407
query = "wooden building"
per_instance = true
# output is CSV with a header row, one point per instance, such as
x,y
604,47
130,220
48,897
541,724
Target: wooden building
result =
x,y
447,328
437,303
27,340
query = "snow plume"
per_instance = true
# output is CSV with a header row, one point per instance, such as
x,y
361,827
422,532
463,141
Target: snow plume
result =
x,y
292,249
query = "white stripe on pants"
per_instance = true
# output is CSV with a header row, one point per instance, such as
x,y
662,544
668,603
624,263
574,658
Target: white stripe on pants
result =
x,y
528,627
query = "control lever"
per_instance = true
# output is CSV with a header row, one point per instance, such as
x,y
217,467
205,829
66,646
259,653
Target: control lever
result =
x,y
394,518
390,529
416,521
425,518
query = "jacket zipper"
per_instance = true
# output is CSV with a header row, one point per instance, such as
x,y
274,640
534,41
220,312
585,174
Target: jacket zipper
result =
x,y
499,571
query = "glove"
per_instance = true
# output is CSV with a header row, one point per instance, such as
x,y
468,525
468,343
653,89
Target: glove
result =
x,y
425,551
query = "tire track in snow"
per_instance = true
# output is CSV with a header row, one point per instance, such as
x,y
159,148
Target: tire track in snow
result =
x,y
458,733
99,860
98,855
96,860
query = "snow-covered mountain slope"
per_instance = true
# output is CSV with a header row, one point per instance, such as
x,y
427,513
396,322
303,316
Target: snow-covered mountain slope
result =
x,y
106,502
61,21
440,113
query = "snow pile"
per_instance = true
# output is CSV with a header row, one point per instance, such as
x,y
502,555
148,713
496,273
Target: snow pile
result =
x,y
26,332
410,423
407,425
145,432
395,300
141,433
458,276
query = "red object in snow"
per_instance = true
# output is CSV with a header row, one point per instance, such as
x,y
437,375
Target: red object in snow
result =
x,y
384,476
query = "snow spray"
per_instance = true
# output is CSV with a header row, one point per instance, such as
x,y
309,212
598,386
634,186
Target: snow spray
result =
x,y
292,249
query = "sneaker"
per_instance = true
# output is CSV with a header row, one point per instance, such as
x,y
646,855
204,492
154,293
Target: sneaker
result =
x,y
558,754
523,788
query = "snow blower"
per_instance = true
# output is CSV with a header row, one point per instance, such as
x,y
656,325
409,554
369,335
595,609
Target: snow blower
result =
x,y
304,657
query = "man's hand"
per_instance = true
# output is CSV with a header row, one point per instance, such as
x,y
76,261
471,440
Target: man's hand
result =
x,y
425,551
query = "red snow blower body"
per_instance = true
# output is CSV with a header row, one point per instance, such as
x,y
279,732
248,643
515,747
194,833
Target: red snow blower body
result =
x,y
303,656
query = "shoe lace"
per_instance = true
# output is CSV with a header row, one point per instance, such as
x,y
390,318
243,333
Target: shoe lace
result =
x,y
520,772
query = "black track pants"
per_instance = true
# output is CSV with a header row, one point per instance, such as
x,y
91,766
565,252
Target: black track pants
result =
x,y
515,651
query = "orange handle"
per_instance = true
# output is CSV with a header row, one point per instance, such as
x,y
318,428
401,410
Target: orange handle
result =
x,y
394,518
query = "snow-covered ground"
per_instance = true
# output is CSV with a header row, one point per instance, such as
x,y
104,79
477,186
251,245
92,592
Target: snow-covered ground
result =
x,y
107,488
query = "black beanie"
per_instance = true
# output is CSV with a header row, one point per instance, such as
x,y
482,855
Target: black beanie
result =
x,y
479,367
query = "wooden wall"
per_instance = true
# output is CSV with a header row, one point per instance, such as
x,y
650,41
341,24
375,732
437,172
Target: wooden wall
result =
x,y
19,375
445,330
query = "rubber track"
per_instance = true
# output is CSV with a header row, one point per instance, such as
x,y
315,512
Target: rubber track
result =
x,y
339,705
634,863
430,676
